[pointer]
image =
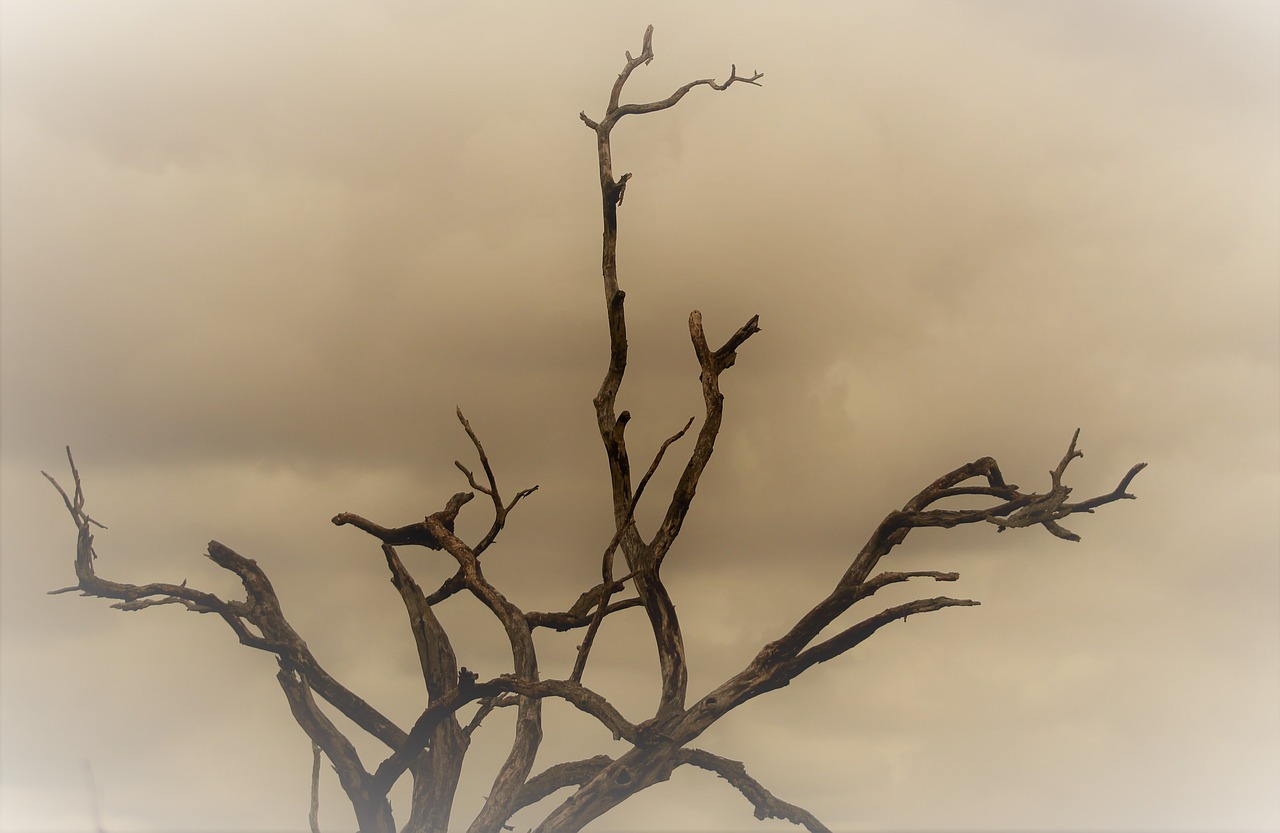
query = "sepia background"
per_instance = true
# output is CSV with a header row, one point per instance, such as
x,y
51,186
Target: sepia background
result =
x,y
254,254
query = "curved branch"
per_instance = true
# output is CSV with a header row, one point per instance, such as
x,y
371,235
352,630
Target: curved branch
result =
x,y
260,609
615,110
500,510
766,804
567,774
412,534
712,365
578,695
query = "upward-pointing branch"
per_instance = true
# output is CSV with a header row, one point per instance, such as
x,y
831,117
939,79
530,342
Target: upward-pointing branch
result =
x,y
642,559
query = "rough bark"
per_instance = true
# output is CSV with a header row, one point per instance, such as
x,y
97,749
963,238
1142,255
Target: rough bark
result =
x,y
433,750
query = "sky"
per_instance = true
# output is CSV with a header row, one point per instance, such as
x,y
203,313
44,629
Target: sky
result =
x,y
253,255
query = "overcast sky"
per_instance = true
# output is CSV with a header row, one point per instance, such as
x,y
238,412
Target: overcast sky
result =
x,y
254,254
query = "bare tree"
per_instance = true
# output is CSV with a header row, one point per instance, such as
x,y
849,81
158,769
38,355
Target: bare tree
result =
x,y
433,750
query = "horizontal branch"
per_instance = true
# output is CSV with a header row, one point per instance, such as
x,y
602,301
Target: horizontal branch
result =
x,y
578,695
412,534
570,620
880,580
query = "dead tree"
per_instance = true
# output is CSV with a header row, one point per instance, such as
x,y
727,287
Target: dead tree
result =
x,y
432,751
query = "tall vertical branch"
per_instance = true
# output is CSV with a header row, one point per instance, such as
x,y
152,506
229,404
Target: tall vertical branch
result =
x,y
643,559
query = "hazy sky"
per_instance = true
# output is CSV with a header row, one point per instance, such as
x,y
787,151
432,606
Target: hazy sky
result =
x,y
254,254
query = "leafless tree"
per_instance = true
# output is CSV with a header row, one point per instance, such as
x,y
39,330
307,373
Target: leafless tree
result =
x,y
433,749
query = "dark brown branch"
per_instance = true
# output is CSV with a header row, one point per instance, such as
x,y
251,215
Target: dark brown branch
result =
x,y
260,609
451,586
584,699
1050,508
1119,493
607,584
487,706
873,584
567,774
782,659
946,486
712,364
411,534
642,560
469,690
766,804
571,620
436,774
615,110
466,691
852,636
500,510
528,735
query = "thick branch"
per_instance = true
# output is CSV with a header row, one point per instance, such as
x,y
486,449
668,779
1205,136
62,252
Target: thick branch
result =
x,y
469,690
412,534
607,585
567,774
373,812
500,804
436,775
583,698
